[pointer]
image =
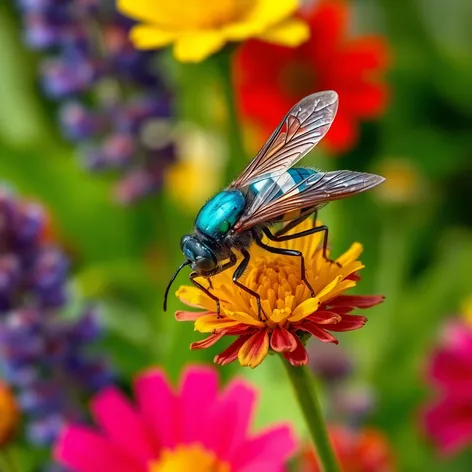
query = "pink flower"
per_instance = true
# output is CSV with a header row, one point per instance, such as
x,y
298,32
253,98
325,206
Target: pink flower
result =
x,y
196,428
448,420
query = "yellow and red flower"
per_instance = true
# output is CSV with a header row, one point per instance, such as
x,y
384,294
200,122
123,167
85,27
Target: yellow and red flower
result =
x,y
198,29
272,78
367,450
290,312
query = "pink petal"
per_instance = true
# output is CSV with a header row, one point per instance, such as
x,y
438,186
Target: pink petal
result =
x,y
158,405
357,301
85,451
234,408
198,394
450,424
282,340
207,342
349,323
299,356
122,423
230,354
451,370
273,446
457,336
190,315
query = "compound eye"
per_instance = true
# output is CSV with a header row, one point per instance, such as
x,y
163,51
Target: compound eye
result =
x,y
183,241
206,264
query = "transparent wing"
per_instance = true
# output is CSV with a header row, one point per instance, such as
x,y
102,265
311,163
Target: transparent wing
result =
x,y
313,192
301,129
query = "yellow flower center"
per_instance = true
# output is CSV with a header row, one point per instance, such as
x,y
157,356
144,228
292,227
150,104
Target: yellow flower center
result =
x,y
193,14
277,281
189,457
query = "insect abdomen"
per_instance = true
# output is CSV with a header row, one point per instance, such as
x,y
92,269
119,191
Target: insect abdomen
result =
x,y
285,182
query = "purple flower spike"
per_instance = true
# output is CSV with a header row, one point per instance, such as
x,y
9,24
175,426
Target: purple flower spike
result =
x,y
108,92
43,356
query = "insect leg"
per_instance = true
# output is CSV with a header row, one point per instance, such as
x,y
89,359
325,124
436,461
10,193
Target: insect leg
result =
x,y
227,265
205,291
239,272
294,223
285,252
316,229
290,225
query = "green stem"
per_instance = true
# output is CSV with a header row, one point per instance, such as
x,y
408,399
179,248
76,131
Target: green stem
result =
x,y
304,388
237,153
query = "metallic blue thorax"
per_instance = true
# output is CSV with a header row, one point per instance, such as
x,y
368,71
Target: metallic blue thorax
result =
x,y
220,213
285,182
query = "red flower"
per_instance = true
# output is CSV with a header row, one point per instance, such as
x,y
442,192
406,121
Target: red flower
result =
x,y
271,79
366,450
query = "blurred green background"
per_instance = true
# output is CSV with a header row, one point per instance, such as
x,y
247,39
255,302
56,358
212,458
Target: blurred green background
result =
x,y
416,231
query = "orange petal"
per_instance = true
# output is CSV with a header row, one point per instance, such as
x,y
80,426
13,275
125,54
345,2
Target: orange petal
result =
x,y
207,342
230,354
335,291
244,318
328,288
255,349
195,298
305,309
351,254
210,323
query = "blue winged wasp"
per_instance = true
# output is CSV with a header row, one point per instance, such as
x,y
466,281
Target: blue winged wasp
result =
x,y
267,192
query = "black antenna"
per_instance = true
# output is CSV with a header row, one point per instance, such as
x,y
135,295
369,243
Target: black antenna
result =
x,y
181,266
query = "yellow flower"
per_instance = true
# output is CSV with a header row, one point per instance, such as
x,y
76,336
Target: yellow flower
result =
x,y
200,158
200,28
9,414
290,312
404,183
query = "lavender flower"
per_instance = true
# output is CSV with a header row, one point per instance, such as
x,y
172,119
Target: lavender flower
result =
x,y
108,93
43,356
